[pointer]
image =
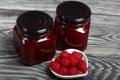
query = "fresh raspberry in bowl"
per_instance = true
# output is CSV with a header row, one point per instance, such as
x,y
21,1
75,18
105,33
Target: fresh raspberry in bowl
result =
x,y
71,63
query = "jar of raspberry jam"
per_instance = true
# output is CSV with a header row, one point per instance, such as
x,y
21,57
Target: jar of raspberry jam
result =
x,y
33,39
72,25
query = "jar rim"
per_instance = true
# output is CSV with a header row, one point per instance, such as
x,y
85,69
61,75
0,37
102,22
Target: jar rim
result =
x,y
34,23
73,12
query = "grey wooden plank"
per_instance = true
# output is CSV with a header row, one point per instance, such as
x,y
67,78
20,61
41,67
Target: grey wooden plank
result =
x,y
105,7
103,39
108,7
29,4
10,16
100,68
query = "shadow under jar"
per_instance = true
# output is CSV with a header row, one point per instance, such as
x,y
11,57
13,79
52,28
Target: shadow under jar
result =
x,y
72,25
33,39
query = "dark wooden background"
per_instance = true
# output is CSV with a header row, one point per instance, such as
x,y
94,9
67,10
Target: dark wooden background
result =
x,y
103,45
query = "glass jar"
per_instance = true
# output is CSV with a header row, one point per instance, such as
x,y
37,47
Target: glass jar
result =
x,y
72,25
33,39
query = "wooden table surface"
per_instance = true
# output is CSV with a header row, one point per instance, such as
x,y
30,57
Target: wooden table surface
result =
x,y
103,49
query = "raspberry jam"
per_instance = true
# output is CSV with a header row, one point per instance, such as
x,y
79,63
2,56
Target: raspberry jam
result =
x,y
33,39
72,25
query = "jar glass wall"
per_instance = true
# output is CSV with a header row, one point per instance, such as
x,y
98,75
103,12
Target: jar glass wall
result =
x,y
72,25
33,39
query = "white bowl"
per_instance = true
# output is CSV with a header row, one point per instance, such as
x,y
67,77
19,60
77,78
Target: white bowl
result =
x,y
72,76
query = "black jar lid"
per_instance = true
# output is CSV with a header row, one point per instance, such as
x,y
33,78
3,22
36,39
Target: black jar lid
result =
x,y
73,12
34,23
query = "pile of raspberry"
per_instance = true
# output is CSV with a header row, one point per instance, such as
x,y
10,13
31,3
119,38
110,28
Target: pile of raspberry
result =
x,y
69,64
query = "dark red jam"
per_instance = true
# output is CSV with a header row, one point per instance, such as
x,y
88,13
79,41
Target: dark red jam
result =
x,y
72,25
33,39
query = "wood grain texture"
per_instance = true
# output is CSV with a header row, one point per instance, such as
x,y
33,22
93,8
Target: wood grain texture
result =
x,y
103,49
98,6
100,68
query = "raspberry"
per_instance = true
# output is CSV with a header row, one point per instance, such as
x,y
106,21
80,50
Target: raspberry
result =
x,y
65,62
63,71
64,54
82,62
57,59
55,66
78,55
82,66
73,71
73,60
